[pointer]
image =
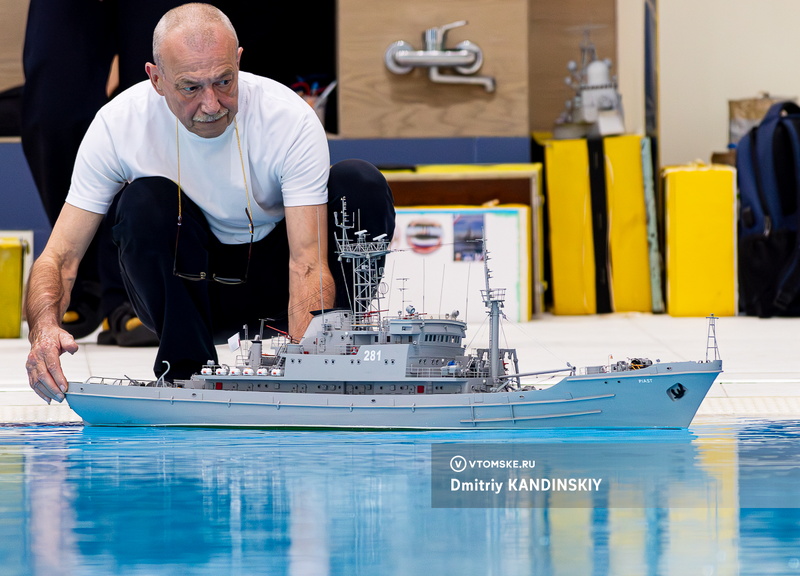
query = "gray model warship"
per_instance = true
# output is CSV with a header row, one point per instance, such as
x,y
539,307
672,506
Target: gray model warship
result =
x,y
596,106
358,369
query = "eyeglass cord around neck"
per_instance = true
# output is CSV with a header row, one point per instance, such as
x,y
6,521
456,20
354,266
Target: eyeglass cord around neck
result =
x,y
244,174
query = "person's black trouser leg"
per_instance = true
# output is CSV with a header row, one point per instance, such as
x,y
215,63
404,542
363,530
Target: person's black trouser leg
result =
x,y
60,33
59,103
190,316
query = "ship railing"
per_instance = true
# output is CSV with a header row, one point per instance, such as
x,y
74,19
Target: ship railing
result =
x,y
454,316
342,349
279,346
619,366
361,247
367,324
114,381
494,295
338,349
433,372
590,370
446,371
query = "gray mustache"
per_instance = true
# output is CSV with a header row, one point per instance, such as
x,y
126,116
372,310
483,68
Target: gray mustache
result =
x,y
211,117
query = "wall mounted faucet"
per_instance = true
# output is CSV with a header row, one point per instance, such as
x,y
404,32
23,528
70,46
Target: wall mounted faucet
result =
x,y
465,59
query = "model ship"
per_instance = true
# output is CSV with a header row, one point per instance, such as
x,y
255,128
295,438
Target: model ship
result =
x,y
596,107
358,369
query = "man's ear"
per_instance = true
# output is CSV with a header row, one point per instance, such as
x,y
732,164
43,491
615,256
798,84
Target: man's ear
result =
x,y
239,57
155,77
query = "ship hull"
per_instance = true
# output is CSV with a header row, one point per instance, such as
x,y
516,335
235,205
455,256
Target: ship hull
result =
x,y
661,396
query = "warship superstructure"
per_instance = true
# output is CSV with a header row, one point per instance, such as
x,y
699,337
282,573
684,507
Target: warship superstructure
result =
x,y
360,368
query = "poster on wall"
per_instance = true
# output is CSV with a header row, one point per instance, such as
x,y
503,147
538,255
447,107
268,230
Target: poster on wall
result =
x,y
437,264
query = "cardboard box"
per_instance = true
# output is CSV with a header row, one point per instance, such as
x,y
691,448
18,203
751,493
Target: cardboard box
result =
x,y
747,113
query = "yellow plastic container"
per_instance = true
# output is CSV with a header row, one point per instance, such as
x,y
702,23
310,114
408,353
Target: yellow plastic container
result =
x,y
572,242
627,225
700,210
569,208
12,260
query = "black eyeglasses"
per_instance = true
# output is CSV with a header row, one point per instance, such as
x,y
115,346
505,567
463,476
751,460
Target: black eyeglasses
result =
x,y
204,275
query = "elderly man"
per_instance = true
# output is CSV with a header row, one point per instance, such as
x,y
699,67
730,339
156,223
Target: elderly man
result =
x,y
225,210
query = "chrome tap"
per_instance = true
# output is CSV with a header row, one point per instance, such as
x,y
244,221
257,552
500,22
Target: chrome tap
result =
x,y
465,59
435,37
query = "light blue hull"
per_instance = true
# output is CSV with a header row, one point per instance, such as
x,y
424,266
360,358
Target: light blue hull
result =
x,y
644,398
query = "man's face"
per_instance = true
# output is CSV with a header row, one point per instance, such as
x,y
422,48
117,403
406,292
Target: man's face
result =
x,y
200,85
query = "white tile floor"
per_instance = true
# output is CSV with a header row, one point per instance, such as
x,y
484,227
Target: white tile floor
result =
x,y
761,359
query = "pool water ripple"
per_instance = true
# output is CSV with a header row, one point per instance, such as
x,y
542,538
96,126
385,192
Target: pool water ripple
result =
x,y
720,498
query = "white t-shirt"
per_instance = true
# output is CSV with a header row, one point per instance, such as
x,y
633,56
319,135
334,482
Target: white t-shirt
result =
x,y
284,150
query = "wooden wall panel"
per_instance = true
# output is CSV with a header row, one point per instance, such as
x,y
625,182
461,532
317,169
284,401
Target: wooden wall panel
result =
x,y
13,15
375,103
526,44
555,38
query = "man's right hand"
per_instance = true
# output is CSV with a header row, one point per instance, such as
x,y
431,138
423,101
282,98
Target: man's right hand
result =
x,y
50,283
44,365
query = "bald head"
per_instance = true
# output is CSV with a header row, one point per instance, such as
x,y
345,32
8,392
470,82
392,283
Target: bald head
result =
x,y
198,25
197,59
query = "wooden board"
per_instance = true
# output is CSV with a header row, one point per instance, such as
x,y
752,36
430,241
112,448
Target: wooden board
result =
x,y
375,103
13,15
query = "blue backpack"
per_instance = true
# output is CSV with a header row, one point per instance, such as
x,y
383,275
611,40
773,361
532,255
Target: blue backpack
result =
x,y
768,173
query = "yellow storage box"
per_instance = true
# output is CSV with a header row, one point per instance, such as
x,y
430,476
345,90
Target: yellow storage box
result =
x,y
627,227
12,261
598,227
700,222
569,208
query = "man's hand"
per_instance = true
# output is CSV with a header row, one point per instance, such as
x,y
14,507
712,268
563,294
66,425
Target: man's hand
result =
x,y
49,286
44,365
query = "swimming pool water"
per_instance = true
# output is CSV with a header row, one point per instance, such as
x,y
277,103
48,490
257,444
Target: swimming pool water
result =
x,y
97,501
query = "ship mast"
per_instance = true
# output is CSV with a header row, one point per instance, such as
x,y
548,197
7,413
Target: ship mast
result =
x,y
493,299
365,256
712,349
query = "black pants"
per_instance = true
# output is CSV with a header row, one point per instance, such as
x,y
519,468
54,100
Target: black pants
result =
x,y
191,316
